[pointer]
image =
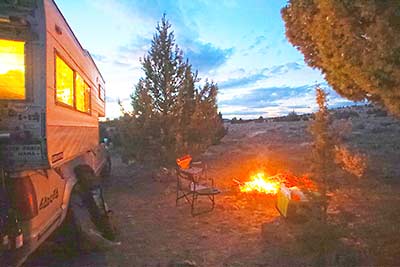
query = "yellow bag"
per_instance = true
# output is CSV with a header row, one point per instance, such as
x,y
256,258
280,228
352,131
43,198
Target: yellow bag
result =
x,y
282,200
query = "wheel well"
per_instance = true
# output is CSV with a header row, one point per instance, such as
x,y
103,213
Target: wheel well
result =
x,y
83,169
85,176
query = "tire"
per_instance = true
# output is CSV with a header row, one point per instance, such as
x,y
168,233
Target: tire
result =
x,y
106,170
100,214
81,223
88,235
91,203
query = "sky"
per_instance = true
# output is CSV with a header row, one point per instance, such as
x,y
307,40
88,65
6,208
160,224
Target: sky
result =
x,y
238,44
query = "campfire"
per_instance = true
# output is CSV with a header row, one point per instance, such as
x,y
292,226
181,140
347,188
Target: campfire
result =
x,y
262,183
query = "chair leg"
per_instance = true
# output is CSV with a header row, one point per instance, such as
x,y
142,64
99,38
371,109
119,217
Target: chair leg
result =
x,y
177,191
177,197
194,199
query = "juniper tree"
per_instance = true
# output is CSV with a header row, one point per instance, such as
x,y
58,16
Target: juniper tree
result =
x,y
319,235
324,141
165,103
186,104
205,119
354,43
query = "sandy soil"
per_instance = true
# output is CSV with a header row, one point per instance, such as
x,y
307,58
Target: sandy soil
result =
x,y
245,229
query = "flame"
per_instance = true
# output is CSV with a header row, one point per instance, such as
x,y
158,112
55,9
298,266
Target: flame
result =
x,y
260,183
271,184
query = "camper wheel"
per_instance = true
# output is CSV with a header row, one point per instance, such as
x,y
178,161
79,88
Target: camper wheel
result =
x,y
80,231
77,225
92,207
106,170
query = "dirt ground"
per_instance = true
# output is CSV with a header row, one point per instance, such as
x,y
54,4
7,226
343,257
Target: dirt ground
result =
x,y
246,229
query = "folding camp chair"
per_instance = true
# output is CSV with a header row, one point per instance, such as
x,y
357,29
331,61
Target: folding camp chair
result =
x,y
193,182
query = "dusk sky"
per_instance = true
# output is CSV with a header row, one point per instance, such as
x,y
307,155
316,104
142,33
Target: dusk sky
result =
x,y
240,45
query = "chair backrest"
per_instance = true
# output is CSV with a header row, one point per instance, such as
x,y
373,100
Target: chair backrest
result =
x,y
183,175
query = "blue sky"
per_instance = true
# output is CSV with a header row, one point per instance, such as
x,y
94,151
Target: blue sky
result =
x,y
238,44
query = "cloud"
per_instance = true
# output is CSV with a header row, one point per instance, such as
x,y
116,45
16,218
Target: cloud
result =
x,y
206,57
298,106
278,101
259,40
203,56
259,46
265,88
241,82
139,45
249,113
274,76
267,97
116,99
139,14
99,58
121,64
283,69
128,55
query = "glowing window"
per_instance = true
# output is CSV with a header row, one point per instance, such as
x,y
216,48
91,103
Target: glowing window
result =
x,y
64,83
12,70
82,97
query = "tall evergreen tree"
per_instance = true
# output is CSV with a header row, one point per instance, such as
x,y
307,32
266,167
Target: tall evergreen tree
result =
x,y
164,70
185,108
166,102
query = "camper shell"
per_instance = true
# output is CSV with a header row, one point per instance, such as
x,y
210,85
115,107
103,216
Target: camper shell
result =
x,y
51,97
41,130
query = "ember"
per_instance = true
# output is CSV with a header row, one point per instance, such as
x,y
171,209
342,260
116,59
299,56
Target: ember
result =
x,y
271,184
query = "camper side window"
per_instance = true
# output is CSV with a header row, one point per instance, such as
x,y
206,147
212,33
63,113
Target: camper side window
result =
x,y
12,70
102,92
64,83
82,97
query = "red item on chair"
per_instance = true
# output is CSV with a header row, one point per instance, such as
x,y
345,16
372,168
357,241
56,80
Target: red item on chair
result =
x,y
184,162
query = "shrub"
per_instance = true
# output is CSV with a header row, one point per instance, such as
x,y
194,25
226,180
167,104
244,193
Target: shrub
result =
x,y
292,116
353,163
345,114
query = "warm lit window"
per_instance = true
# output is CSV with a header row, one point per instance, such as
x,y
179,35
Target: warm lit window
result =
x,y
12,70
82,96
102,92
64,82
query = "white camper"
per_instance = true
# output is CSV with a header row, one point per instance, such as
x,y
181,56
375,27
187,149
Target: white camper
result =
x,y
51,97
